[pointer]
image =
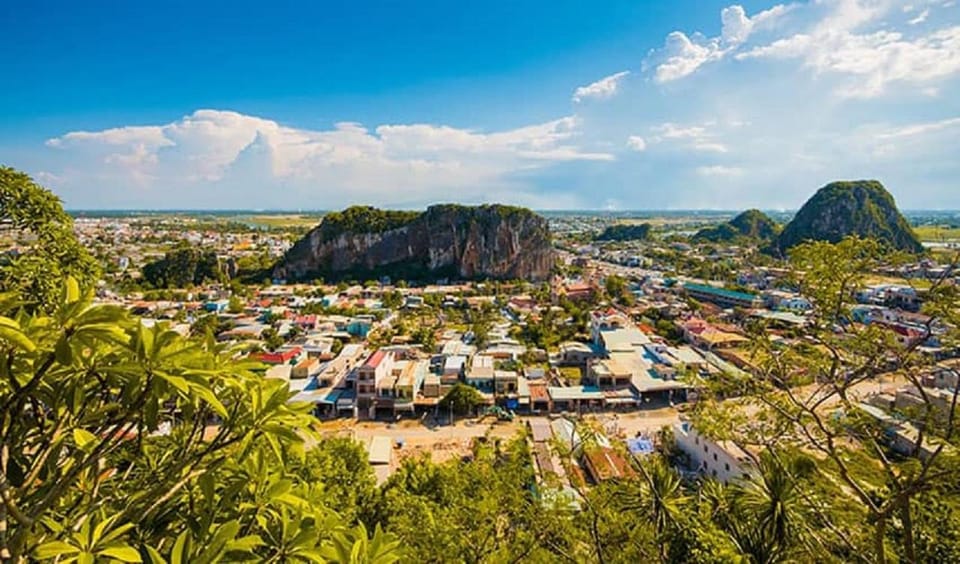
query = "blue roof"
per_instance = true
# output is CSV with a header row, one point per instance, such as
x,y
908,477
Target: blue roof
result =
x,y
640,445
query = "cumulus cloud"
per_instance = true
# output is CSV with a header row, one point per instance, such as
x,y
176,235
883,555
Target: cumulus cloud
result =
x,y
602,89
392,163
852,41
856,39
636,143
682,55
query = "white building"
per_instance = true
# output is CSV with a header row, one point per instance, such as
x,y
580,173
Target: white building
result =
x,y
721,460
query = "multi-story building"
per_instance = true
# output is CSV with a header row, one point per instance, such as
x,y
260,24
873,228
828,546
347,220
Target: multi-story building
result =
x,y
722,460
377,367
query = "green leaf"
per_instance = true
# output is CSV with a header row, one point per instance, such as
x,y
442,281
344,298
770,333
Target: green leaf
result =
x,y
11,332
53,549
179,553
207,395
177,382
122,553
245,544
63,352
71,290
155,556
82,438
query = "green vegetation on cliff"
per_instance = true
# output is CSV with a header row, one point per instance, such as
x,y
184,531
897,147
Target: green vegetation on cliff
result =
x,y
863,208
752,225
363,219
626,232
182,267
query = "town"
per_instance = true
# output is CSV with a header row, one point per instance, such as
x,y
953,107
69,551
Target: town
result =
x,y
624,333
480,283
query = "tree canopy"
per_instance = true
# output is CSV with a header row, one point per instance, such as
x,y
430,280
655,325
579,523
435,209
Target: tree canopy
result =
x,y
36,271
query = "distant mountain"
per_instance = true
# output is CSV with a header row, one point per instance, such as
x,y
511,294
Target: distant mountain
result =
x,y
445,241
625,232
840,209
751,224
187,266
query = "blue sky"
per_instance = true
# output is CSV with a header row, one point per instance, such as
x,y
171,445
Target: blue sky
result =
x,y
620,105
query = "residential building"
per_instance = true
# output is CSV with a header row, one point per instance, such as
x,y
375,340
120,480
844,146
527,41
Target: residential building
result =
x,y
378,366
722,460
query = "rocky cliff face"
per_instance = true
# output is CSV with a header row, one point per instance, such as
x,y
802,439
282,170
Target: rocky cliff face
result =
x,y
839,209
445,241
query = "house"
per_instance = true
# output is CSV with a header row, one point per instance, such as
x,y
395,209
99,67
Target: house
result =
x,y
786,301
945,375
409,382
306,368
578,291
573,353
505,349
369,375
334,373
505,381
453,368
909,400
902,437
604,463
722,460
308,322
480,375
608,320
282,356
608,373
431,386
360,325
218,306
704,335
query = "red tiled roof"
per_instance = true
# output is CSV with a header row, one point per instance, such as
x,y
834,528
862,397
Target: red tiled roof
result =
x,y
375,359
279,357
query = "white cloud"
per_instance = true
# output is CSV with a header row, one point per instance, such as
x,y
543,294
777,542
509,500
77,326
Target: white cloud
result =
x,y
873,60
636,143
682,55
393,163
919,128
719,170
922,17
602,89
695,137
846,38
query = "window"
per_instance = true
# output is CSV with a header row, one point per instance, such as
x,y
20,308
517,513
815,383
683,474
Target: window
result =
x,y
704,448
696,440
727,466
714,457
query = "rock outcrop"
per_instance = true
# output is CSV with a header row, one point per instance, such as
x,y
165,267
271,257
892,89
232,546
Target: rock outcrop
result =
x,y
626,232
445,241
188,266
751,225
863,208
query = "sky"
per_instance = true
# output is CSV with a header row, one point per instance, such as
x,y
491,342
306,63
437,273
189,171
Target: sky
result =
x,y
552,104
